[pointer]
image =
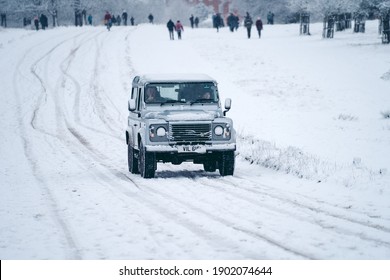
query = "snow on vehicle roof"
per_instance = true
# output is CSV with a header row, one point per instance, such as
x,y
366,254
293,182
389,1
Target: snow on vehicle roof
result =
x,y
176,78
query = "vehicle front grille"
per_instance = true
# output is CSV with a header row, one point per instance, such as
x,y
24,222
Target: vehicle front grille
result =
x,y
190,132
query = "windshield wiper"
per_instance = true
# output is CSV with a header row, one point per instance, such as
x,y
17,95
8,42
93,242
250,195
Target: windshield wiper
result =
x,y
202,100
171,101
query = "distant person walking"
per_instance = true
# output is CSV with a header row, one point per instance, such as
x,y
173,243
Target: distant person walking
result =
x,y
44,21
196,21
217,21
90,19
151,18
36,23
248,24
259,26
171,28
192,21
270,17
3,19
108,20
78,18
232,22
132,21
179,28
124,17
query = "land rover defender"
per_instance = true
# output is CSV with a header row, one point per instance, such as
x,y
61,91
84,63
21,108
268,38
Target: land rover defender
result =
x,y
176,118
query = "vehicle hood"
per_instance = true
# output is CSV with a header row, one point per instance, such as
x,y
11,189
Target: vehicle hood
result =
x,y
175,115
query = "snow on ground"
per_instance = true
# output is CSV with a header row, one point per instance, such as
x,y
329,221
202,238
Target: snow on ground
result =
x,y
312,167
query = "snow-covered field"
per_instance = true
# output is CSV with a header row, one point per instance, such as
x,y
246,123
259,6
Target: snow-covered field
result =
x,y
313,161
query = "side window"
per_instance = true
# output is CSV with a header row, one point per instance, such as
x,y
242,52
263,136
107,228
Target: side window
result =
x,y
138,100
135,96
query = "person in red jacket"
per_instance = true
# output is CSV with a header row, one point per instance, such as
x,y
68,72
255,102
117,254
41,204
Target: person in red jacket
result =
x,y
179,28
259,26
107,20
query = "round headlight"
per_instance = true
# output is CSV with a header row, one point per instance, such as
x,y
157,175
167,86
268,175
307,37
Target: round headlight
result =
x,y
218,130
161,131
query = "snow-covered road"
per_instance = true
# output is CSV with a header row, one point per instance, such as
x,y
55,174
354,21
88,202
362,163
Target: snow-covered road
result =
x,y
66,192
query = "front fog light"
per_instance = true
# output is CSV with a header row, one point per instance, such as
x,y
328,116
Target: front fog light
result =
x,y
161,131
218,130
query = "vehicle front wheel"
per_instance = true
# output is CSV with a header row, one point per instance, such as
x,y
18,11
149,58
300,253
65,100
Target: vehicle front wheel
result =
x,y
146,162
132,159
226,163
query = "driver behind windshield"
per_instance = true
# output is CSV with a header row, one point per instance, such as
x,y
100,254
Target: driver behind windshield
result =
x,y
206,95
152,95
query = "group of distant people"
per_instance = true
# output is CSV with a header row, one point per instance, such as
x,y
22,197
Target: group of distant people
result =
x,y
42,19
194,21
178,27
248,22
39,21
232,21
110,20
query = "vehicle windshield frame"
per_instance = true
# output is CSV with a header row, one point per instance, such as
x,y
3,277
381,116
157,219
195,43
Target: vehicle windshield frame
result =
x,y
182,92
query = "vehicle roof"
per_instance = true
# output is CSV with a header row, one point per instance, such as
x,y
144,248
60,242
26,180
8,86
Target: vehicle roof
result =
x,y
181,77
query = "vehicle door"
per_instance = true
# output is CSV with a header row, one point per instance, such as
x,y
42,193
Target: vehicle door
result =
x,y
135,116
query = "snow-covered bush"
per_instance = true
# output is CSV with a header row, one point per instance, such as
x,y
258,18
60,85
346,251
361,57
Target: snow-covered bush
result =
x,y
292,160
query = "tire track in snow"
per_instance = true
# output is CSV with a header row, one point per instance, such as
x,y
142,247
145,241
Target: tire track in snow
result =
x,y
44,90
60,119
60,86
313,208
63,125
321,202
308,217
98,94
338,228
44,87
28,150
96,99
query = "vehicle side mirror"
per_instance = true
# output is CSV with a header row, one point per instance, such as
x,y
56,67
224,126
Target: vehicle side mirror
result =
x,y
132,105
228,105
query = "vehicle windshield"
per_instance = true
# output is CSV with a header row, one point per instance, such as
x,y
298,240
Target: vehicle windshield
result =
x,y
163,93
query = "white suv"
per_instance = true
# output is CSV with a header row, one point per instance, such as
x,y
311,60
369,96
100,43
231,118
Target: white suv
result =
x,y
176,118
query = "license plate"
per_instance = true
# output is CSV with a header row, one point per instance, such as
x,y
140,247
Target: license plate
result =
x,y
191,149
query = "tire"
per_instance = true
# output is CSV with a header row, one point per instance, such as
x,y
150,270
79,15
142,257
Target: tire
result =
x,y
132,159
146,162
210,165
226,163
